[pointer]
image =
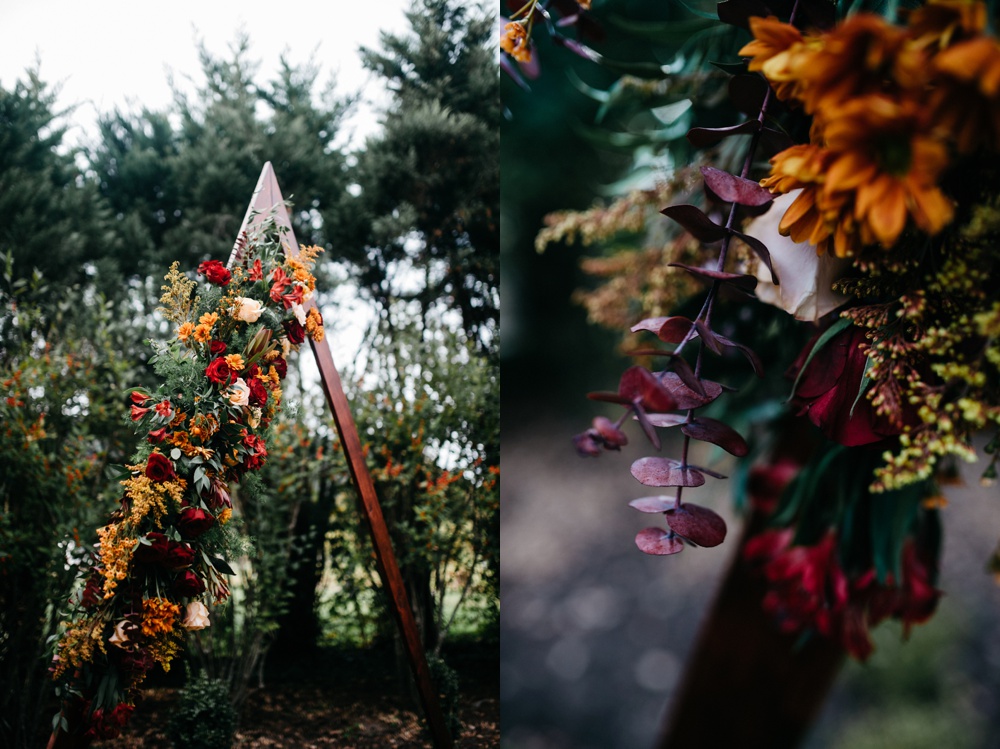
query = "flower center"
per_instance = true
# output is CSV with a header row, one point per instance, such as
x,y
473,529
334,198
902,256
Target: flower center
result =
x,y
893,155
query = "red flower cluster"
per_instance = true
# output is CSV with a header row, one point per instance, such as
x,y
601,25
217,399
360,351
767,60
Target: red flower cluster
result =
x,y
108,725
257,448
809,590
159,468
829,387
215,272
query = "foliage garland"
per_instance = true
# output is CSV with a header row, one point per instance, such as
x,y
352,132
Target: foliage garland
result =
x,y
876,223
163,554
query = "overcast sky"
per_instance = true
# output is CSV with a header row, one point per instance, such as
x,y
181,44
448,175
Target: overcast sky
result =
x,y
112,53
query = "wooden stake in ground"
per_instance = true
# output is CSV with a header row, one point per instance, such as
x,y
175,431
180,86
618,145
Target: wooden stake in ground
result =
x,y
267,197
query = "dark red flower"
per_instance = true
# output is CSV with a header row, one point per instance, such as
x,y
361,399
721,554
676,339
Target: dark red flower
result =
x,y
135,663
767,483
808,588
218,495
154,551
157,435
828,389
92,591
188,584
257,271
295,332
194,521
281,367
178,556
258,393
217,347
258,451
215,272
159,467
218,371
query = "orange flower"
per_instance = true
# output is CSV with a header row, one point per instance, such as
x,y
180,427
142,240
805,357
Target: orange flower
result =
x,y
863,55
773,51
203,333
515,42
235,362
184,331
941,23
966,101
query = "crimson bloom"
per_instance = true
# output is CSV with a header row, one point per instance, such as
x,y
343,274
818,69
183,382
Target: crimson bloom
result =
x,y
215,272
218,371
258,393
828,390
159,467
217,347
296,333
194,521
258,451
188,584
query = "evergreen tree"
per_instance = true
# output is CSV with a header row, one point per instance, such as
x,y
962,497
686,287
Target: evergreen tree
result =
x,y
430,180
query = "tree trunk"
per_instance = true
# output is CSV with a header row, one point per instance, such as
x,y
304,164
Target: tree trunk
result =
x,y
747,684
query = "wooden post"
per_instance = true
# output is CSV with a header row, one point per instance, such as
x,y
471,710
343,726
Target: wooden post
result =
x,y
747,684
267,197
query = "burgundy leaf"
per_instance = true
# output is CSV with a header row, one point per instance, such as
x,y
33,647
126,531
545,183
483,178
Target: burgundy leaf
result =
x,y
667,420
747,93
732,189
697,524
638,384
760,249
739,280
710,472
658,541
749,353
606,397
738,12
653,504
652,324
703,137
708,337
674,329
612,436
687,375
686,397
654,471
647,426
723,435
700,226
649,352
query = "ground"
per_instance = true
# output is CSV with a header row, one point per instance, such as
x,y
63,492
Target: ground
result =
x,y
341,698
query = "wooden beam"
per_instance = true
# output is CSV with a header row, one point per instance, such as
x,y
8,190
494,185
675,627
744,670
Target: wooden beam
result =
x,y
267,196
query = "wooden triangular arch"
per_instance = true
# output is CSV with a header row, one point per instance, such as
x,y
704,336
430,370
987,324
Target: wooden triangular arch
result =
x,y
267,201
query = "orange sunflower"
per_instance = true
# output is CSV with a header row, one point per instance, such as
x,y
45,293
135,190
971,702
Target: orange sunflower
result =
x,y
772,52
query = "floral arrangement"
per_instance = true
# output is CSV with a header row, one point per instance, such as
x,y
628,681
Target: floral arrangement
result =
x,y
873,229
160,562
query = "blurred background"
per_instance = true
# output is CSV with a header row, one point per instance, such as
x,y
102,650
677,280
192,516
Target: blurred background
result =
x,y
595,634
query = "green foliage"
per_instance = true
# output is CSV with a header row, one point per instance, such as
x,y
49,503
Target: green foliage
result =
x,y
445,680
63,381
429,419
204,719
180,192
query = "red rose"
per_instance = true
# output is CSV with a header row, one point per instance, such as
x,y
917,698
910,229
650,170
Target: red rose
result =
x,y
828,391
217,347
218,371
215,272
258,393
194,521
188,584
280,366
153,551
296,333
159,467
178,556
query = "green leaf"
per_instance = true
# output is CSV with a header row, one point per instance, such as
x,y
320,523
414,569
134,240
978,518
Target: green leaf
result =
x,y
667,33
892,515
865,382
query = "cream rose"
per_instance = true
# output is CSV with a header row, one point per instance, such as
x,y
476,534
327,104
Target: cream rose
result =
x,y
239,393
248,310
806,278
196,616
